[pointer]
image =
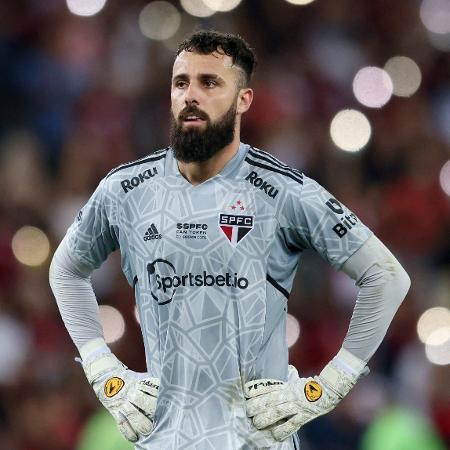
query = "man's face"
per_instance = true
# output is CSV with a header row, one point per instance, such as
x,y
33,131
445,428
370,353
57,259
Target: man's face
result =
x,y
204,97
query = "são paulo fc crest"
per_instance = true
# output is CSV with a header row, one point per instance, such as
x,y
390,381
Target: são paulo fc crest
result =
x,y
236,226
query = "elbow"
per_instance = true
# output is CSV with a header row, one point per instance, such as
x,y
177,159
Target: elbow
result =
x,y
400,281
404,281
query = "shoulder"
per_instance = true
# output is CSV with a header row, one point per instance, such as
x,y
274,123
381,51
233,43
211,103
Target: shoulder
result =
x,y
293,189
130,175
265,171
266,163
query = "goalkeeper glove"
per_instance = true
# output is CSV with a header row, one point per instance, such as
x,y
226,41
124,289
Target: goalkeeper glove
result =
x,y
284,407
129,396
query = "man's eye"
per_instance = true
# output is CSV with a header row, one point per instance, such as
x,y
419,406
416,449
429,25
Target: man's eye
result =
x,y
210,83
181,84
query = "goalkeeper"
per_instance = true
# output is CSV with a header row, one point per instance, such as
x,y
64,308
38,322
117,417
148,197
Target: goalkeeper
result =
x,y
211,233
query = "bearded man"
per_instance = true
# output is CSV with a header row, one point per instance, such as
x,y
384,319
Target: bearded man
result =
x,y
211,231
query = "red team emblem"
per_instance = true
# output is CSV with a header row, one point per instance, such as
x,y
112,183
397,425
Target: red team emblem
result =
x,y
236,227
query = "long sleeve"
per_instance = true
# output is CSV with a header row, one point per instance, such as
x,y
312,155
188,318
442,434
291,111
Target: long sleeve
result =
x,y
72,288
317,220
383,284
87,244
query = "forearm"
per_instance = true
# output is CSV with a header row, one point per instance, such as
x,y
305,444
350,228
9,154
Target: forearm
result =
x,y
284,407
383,285
72,288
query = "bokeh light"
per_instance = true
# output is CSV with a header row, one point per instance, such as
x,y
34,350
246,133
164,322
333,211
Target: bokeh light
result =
x,y
299,2
222,5
197,8
112,322
159,20
444,177
85,7
431,321
437,348
292,330
435,15
405,75
439,336
30,246
350,130
188,23
372,87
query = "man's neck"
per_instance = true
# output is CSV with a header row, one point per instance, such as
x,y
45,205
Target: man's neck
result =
x,y
198,172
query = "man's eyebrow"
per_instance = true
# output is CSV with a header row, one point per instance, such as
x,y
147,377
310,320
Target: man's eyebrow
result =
x,y
210,76
202,76
181,76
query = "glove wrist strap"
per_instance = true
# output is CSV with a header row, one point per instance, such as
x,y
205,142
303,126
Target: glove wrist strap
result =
x,y
101,365
349,363
97,359
93,349
342,372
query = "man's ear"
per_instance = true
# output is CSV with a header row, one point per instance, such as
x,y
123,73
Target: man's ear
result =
x,y
245,98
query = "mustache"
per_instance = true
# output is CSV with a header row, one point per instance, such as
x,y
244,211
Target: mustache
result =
x,y
192,111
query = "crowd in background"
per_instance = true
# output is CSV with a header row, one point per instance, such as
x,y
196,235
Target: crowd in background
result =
x,y
80,96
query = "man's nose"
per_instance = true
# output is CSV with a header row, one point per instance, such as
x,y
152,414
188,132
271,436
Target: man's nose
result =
x,y
191,95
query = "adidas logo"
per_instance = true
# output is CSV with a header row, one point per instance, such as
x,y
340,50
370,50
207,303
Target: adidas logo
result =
x,y
152,233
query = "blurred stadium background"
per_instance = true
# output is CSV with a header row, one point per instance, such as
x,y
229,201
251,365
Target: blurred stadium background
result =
x,y
354,93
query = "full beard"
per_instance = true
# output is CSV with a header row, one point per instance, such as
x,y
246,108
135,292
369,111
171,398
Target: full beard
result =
x,y
194,145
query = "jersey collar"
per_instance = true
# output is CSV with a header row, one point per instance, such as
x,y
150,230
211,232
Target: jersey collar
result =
x,y
229,171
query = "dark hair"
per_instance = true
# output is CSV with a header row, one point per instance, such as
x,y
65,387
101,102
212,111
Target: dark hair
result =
x,y
207,42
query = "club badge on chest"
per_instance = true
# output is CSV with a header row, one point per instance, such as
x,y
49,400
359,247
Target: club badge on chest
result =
x,y
236,222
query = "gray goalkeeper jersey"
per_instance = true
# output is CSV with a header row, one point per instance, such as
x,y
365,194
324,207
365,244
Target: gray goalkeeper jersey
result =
x,y
212,266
